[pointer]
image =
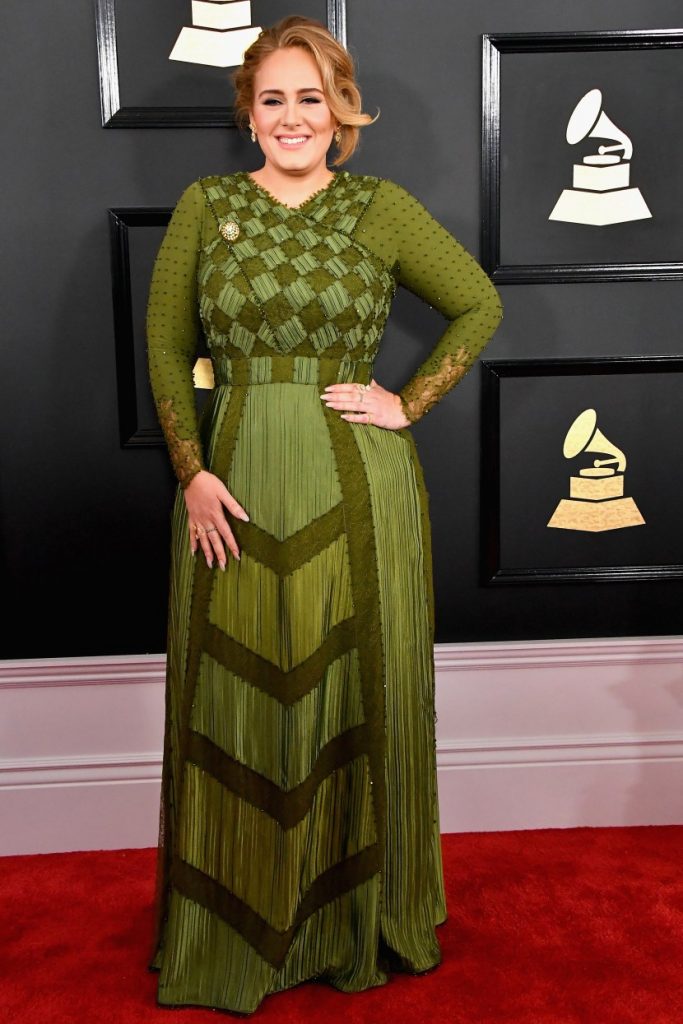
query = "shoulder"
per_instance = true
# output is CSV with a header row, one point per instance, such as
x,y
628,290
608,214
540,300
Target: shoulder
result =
x,y
400,194
197,190
389,190
393,205
219,180
197,197
359,179
368,181
191,198
387,195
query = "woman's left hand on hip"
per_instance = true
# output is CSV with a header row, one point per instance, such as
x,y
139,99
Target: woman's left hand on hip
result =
x,y
369,404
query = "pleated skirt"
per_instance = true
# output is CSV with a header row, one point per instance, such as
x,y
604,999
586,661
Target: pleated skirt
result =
x,y
299,832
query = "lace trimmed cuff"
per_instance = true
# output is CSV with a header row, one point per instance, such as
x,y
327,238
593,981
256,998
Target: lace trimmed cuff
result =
x,y
185,453
425,390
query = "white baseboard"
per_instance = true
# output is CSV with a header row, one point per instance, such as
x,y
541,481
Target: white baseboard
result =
x,y
543,734
560,734
80,753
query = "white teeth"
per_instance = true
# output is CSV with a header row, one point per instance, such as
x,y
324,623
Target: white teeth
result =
x,y
292,142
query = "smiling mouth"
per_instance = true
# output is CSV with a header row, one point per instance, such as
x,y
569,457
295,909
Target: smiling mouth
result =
x,y
292,141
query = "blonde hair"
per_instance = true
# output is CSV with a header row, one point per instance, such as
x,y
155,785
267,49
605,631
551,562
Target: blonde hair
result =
x,y
336,71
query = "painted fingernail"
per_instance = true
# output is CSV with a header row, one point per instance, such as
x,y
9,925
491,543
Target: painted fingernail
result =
x,y
210,564
222,565
245,517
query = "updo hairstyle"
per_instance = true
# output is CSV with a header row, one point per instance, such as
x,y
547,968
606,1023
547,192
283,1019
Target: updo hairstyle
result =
x,y
336,71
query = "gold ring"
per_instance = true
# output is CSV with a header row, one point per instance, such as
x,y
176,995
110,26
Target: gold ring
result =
x,y
199,530
212,529
369,415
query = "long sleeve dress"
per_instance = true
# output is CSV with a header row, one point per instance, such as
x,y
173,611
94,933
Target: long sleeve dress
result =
x,y
299,831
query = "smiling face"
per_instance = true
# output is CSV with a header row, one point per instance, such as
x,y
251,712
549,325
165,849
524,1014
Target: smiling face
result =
x,y
290,114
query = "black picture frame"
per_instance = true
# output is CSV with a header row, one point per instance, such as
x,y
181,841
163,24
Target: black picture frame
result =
x,y
494,373
116,116
493,46
121,220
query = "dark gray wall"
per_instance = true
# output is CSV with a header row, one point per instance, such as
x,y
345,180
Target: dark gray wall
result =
x,y
85,525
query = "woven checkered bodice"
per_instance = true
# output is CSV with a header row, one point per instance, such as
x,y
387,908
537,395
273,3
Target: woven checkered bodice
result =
x,y
294,280
302,295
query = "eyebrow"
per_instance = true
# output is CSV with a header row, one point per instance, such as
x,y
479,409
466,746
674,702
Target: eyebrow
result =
x,y
281,93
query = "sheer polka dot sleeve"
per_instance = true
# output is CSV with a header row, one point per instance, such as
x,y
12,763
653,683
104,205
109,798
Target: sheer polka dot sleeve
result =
x,y
173,331
432,264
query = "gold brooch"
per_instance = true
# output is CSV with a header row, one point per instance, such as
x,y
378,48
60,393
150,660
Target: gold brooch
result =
x,y
230,230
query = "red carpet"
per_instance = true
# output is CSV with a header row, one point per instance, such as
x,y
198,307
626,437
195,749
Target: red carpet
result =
x,y
578,926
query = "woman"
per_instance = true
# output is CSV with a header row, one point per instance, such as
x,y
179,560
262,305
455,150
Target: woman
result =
x,y
300,826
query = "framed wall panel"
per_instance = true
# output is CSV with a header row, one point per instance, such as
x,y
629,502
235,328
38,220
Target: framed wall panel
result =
x,y
582,156
141,88
132,259
581,470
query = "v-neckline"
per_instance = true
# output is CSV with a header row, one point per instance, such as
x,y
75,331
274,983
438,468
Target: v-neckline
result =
x,y
292,209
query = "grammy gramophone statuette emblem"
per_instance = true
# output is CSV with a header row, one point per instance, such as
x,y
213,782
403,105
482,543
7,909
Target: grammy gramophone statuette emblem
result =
x,y
220,33
602,192
596,496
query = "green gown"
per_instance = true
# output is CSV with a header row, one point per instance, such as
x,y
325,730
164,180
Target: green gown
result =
x,y
299,827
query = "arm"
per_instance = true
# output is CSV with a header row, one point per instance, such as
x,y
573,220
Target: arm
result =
x,y
434,266
172,333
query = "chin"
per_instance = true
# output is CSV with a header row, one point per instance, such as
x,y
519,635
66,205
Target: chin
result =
x,y
298,162
308,154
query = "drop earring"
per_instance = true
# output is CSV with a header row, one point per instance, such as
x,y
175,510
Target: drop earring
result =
x,y
338,135
253,133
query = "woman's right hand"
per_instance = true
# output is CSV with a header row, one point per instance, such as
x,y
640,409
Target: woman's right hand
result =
x,y
205,496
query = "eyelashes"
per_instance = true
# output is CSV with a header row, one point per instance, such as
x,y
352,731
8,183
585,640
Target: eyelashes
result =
x,y
307,99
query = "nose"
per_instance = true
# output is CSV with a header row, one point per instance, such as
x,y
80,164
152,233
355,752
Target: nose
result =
x,y
290,113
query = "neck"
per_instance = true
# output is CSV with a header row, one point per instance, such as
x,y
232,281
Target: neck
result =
x,y
295,184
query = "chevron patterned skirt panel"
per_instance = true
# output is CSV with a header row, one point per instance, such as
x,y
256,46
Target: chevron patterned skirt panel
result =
x,y
299,834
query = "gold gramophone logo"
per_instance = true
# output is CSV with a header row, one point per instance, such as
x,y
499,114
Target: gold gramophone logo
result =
x,y
221,31
596,496
602,192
